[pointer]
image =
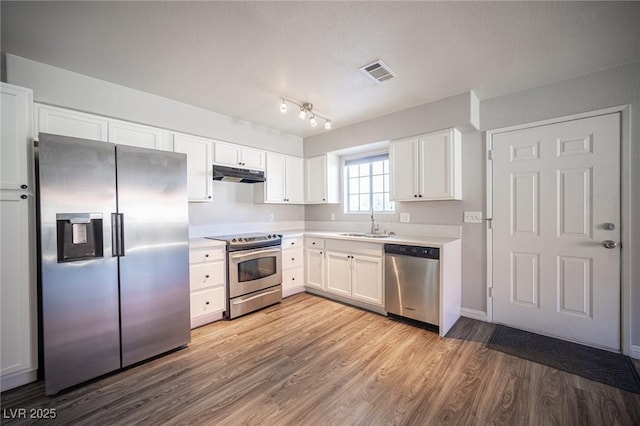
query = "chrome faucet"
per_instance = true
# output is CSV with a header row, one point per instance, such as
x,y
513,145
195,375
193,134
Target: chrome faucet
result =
x,y
374,227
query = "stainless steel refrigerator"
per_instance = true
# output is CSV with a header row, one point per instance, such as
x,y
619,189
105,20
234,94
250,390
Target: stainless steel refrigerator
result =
x,y
114,256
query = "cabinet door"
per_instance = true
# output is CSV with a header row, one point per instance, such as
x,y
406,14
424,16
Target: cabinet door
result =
x,y
435,155
227,154
199,171
15,149
59,121
339,273
367,279
253,158
275,175
294,178
131,134
16,285
314,268
403,165
315,180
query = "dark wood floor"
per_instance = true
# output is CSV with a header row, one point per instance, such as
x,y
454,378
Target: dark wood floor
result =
x,y
313,361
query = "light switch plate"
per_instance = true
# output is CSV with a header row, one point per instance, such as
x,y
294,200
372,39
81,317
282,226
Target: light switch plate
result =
x,y
333,216
405,217
270,217
473,217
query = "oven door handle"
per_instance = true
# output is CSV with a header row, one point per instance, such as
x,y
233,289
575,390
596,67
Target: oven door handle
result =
x,y
237,302
242,255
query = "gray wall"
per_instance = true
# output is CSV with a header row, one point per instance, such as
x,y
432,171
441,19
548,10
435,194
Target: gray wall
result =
x,y
233,204
607,88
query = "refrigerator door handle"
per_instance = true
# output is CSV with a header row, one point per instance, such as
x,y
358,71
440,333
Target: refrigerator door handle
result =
x,y
117,234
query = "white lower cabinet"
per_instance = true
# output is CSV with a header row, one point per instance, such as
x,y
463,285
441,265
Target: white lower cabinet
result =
x,y
356,276
207,280
351,270
292,265
314,268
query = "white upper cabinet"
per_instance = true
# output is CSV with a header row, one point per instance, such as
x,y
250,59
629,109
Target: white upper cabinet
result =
x,y
426,167
16,138
284,185
231,155
274,187
199,170
322,180
123,133
294,178
65,122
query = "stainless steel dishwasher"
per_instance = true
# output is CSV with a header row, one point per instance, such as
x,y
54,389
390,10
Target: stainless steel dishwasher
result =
x,y
412,282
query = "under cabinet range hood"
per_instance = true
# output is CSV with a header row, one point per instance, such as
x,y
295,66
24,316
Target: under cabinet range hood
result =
x,y
232,174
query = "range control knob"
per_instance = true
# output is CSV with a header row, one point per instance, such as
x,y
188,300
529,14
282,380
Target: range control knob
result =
x,y
233,241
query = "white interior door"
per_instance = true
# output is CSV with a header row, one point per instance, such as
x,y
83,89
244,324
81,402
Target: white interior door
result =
x,y
556,202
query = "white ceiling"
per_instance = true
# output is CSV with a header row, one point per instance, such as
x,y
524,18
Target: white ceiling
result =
x,y
238,58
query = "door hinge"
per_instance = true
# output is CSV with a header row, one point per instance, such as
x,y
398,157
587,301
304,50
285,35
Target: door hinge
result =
x,y
490,292
490,154
490,223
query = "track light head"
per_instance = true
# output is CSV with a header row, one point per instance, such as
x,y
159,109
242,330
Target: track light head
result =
x,y
327,125
313,121
303,114
283,107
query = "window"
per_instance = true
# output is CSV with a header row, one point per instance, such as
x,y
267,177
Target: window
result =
x,y
367,184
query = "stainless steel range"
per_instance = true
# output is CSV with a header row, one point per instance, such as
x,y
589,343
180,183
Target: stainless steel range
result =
x,y
254,274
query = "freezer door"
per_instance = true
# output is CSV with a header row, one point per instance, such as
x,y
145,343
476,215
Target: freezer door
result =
x,y
154,261
77,180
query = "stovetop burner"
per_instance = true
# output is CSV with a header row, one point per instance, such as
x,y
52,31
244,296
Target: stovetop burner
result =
x,y
248,241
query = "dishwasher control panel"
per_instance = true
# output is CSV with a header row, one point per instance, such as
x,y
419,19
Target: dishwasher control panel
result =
x,y
416,251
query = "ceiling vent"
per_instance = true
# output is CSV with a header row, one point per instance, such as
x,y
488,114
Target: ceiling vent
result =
x,y
378,71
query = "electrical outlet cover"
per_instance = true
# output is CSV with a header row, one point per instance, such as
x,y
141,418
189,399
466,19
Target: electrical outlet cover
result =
x,y
270,217
473,217
405,217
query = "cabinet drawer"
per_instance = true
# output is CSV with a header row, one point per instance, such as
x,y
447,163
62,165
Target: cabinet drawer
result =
x,y
312,242
206,254
207,301
206,275
291,242
292,258
292,278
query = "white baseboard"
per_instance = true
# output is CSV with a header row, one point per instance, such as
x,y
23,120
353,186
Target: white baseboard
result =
x,y
474,314
286,292
16,379
635,352
205,319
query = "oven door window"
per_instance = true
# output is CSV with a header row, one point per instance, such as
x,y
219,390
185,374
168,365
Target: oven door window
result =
x,y
255,269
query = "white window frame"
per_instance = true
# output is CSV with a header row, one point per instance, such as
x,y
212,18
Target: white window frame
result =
x,y
345,183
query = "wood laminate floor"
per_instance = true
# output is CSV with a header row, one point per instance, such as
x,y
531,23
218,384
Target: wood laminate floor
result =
x,y
313,361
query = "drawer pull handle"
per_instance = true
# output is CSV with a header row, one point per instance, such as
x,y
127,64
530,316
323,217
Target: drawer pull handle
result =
x,y
206,255
207,302
206,276
293,278
293,258
313,243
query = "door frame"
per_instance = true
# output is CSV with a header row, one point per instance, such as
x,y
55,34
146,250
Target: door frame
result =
x,y
625,212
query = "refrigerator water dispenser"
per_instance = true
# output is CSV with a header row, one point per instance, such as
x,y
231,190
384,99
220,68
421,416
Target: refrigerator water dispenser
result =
x,y
79,236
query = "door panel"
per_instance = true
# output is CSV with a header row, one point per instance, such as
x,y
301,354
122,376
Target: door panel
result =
x,y
79,299
154,271
339,273
554,188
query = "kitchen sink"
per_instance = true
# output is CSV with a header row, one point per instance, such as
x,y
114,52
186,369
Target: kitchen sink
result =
x,y
362,234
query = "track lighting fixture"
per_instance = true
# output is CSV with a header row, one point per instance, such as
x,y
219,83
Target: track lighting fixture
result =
x,y
305,108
